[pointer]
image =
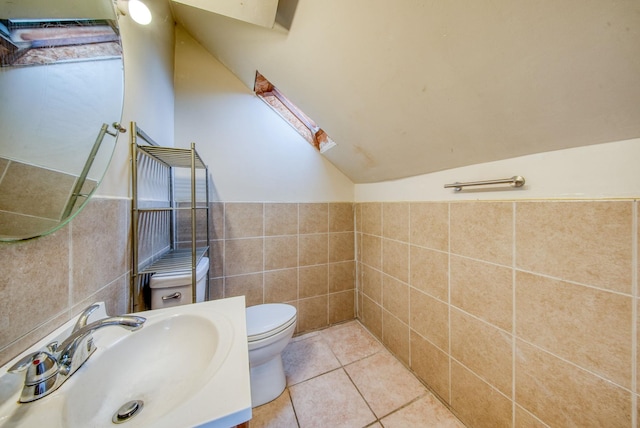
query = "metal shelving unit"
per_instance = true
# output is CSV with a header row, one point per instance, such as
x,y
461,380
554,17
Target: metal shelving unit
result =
x,y
172,259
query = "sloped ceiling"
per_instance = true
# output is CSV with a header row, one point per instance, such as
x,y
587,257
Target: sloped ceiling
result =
x,y
416,86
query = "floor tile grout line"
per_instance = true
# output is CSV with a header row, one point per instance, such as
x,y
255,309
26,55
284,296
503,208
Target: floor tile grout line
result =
x,y
293,408
328,343
377,419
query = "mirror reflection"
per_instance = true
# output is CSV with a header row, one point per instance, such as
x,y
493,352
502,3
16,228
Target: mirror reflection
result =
x,y
61,94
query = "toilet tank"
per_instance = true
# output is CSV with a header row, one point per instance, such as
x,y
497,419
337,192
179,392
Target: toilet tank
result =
x,y
173,289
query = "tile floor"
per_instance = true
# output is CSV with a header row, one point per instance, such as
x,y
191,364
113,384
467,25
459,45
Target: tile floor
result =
x,y
343,377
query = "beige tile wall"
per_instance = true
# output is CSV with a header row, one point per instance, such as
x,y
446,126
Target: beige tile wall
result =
x,y
46,281
297,253
514,313
32,198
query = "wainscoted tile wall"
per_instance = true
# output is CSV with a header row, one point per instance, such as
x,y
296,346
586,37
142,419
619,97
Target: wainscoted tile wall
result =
x,y
298,253
33,198
514,313
44,282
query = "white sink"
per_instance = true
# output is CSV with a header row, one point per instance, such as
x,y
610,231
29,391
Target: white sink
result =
x,y
188,365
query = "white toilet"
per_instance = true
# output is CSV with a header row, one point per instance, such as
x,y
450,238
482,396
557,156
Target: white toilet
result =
x,y
269,329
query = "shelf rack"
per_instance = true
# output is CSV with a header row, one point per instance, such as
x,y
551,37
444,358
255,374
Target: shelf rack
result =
x,y
171,258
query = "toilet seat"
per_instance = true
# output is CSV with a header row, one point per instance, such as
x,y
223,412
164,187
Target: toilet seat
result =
x,y
268,320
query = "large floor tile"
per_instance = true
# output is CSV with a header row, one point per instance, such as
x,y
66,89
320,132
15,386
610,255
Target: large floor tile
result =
x,y
351,342
276,414
304,359
384,382
330,400
426,411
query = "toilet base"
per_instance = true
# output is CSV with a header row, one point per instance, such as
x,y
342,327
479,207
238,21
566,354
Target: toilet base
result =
x,y
267,381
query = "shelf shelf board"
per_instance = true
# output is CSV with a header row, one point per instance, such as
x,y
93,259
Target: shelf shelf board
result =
x,y
173,156
153,209
175,261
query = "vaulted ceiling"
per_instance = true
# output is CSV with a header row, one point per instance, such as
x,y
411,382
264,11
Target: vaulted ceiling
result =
x,y
416,86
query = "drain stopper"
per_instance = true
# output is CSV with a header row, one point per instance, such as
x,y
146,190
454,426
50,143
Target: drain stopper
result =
x,y
127,411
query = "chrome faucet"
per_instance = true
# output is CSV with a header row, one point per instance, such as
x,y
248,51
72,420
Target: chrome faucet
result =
x,y
48,369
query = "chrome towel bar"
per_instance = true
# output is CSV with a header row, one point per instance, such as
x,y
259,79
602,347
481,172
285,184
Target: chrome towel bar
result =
x,y
515,181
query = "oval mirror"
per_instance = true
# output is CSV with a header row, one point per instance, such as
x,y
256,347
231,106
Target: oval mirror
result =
x,y
61,98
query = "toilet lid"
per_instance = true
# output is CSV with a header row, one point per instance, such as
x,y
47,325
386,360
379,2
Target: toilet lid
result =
x,y
268,319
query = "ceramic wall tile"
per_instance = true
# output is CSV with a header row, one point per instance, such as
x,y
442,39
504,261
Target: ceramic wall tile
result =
x,y
216,220
483,349
313,218
372,317
429,317
476,403
280,252
242,256
341,217
314,281
250,286
100,248
429,272
395,259
585,242
244,220
371,284
431,365
372,218
42,282
395,221
20,182
395,335
372,251
572,396
430,225
313,249
341,247
587,326
313,313
341,306
395,298
280,219
281,286
483,231
484,290
341,276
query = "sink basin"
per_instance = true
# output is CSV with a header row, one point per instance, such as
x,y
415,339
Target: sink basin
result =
x,y
188,366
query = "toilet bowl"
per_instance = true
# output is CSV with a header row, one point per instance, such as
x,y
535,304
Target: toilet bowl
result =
x,y
269,328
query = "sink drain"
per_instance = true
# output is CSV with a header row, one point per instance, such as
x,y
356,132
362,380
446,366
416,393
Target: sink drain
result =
x,y
127,411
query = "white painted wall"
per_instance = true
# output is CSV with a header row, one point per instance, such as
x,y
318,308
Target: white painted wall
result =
x,y
51,114
148,90
602,171
252,154
253,157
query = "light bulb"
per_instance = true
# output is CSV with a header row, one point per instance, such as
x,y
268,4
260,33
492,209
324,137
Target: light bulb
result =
x,y
139,12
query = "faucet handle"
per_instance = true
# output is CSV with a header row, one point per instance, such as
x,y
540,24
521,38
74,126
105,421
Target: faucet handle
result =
x,y
40,366
43,366
84,316
22,363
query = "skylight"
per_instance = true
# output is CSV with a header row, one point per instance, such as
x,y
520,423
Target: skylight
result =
x,y
292,114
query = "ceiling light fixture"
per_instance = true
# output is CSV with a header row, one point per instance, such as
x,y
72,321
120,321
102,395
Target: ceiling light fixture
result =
x,y
138,11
